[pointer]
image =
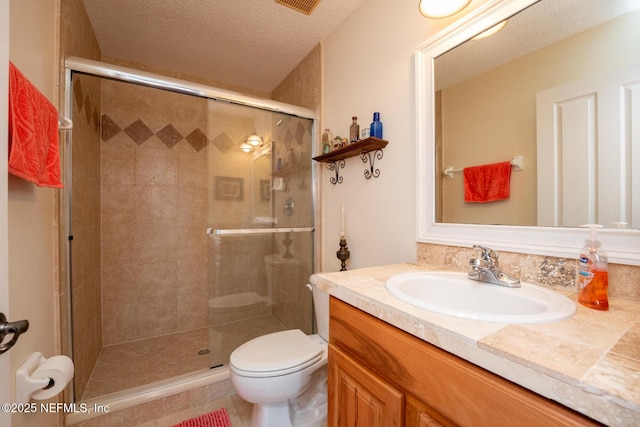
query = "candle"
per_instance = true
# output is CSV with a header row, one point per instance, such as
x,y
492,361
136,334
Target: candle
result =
x,y
342,220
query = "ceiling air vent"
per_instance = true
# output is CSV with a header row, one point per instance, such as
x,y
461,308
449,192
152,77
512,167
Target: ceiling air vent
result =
x,y
304,6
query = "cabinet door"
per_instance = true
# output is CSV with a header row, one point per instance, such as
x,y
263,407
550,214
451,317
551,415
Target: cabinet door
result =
x,y
357,398
419,414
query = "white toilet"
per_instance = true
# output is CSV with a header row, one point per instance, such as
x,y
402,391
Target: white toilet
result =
x,y
284,374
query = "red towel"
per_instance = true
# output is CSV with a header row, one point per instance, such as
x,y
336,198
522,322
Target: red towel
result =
x,y
487,183
33,133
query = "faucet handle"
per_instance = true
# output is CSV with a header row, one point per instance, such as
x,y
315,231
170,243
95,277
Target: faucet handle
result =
x,y
483,251
487,254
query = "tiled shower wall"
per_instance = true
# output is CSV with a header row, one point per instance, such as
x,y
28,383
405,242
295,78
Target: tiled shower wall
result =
x,y
303,84
154,211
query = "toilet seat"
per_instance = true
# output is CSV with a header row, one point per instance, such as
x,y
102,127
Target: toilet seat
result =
x,y
275,354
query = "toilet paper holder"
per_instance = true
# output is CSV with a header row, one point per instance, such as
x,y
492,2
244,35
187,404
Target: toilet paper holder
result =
x,y
25,385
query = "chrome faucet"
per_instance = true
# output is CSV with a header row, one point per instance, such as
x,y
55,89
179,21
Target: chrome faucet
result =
x,y
485,268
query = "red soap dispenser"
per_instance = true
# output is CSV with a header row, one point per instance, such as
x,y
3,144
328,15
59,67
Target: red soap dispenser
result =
x,y
593,273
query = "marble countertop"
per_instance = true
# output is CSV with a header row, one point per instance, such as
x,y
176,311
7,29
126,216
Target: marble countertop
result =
x,y
589,362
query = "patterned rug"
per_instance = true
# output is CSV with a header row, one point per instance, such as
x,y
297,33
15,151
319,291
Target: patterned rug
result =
x,y
218,418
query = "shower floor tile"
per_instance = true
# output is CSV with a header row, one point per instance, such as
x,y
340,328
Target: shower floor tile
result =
x,y
142,362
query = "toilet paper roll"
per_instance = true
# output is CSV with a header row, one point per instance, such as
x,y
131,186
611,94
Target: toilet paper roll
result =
x,y
59,370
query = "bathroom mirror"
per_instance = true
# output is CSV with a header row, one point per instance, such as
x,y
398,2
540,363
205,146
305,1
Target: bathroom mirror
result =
x,y
522,237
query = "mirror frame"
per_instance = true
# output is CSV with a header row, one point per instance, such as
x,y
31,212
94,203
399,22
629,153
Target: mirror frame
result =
x,y
622,246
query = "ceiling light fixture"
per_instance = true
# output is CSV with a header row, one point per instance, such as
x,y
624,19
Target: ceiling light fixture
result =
x,y
491,31
441,8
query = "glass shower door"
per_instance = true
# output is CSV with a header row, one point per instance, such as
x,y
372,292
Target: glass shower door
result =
x,y
261,226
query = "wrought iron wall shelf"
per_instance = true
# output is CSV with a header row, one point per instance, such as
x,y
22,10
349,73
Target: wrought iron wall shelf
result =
x,y
364,148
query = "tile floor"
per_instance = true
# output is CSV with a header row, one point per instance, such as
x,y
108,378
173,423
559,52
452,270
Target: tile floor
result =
x,y
136,363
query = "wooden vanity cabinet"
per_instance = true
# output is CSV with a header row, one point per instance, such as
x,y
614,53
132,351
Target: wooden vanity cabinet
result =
x,y
380,375
363,398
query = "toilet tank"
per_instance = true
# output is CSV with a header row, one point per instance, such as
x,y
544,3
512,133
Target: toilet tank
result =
x,y
321,307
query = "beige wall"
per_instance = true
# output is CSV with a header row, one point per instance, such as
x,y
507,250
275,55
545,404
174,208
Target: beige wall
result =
x,y
368,66
491,118
32,251
6,389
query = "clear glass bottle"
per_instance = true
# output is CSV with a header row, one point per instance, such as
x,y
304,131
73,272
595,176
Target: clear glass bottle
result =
x,y
327,140
337,142
375,129
354,130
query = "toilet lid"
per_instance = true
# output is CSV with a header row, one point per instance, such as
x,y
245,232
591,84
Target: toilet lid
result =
x,y
278,353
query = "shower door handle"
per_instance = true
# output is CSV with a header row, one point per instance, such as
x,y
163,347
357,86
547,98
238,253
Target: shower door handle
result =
x,y
7,328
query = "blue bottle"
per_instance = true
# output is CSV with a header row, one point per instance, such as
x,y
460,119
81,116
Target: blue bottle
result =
x,y
376,126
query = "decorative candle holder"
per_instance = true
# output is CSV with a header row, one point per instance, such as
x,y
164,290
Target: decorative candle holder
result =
x,y
343,253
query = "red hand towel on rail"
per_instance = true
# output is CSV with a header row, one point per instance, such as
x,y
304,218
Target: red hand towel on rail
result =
x,y
33,133
487,183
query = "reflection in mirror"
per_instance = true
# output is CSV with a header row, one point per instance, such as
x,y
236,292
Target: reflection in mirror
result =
x,y
558,85
433,224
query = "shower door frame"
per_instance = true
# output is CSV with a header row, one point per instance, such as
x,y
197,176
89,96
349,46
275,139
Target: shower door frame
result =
x,y
114,72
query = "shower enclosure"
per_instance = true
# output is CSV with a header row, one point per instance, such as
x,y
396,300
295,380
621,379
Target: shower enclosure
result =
x,y
190,228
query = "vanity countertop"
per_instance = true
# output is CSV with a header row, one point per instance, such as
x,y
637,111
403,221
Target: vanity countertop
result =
x,y
589,362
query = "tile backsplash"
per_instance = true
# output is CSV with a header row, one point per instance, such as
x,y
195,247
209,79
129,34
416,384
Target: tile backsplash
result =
x,y
547,271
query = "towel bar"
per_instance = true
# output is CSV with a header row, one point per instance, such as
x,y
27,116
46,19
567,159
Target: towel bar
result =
x,y
517,163
238,231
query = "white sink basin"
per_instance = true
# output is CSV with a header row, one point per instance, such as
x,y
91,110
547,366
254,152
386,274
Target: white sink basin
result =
x,y
454,294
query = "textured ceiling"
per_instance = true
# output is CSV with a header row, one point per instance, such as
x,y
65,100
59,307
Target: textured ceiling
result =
x,y
251,44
